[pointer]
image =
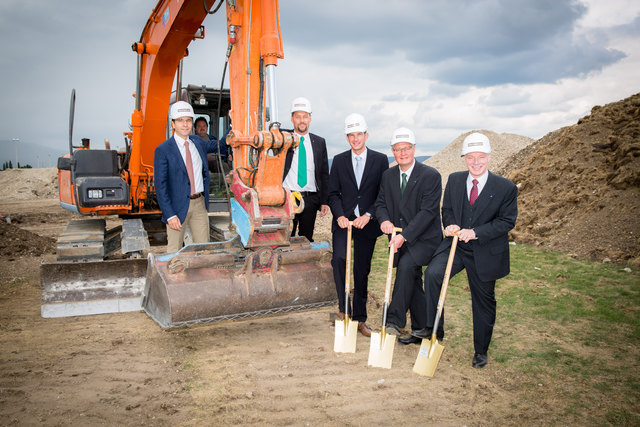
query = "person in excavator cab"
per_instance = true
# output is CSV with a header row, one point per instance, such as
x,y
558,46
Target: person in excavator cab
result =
x,y
182,179
201,128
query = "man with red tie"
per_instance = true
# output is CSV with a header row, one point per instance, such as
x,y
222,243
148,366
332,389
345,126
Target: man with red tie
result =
x,y
481,208
306,170
181,179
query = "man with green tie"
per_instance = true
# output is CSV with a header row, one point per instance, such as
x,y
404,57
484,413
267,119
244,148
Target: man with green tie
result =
x,y
306,170
409,198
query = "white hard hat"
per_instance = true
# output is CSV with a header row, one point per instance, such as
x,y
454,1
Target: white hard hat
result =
x,y
403,135
354,123
475,143
301,104
181,109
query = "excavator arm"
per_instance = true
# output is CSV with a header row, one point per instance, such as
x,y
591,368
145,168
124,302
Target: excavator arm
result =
x,y
264,208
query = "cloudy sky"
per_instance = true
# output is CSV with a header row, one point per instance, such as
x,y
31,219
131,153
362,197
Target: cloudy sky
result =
x,y
439,67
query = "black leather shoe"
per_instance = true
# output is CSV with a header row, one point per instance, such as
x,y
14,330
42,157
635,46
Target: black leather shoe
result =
x,y
392,329
479,360
426,334
421,333
409,339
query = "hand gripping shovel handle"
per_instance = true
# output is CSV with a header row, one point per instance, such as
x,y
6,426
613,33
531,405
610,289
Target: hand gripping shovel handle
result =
x,y
445,284
387,288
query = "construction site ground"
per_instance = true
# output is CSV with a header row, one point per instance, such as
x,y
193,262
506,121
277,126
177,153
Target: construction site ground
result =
x,y
123,369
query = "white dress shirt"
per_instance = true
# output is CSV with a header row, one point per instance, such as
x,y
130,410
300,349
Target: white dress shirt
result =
x,y
291,180
196,161
482,180
354,162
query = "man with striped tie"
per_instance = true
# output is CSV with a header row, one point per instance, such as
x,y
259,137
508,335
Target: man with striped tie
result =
x,y
181,179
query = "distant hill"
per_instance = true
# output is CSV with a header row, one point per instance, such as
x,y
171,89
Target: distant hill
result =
x,y
36,155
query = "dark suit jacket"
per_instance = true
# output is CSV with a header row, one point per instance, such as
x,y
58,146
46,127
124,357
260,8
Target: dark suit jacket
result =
x,y
344,193
171,178
417,211
494,214
321,162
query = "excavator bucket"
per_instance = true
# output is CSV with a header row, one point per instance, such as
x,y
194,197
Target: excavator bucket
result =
x,y
219,281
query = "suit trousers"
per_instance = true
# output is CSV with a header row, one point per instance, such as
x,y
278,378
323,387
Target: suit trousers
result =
x,y
483,300
408,293
198,222
305,221
363,246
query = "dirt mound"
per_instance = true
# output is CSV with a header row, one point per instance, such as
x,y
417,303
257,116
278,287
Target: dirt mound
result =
x,y
580,186
503,146
27,184
16,242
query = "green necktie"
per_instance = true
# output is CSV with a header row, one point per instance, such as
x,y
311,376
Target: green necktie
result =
x,y
404,183
302,164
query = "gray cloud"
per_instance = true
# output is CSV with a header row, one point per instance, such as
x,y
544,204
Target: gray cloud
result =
x,y
488,42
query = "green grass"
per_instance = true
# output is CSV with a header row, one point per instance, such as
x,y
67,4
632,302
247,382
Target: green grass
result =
x,y
572,325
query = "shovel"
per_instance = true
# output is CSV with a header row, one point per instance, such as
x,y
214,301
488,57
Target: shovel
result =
x,y
382,344
431,350
347,329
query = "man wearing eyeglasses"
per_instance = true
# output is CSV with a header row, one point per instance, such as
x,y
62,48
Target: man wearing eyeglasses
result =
x,y
409,198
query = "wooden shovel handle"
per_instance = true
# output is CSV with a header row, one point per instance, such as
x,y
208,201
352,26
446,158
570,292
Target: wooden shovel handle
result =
x,y
392,250
445,282
347,274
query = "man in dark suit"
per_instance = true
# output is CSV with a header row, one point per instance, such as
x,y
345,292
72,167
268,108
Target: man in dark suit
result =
x,y
353,186
312,180
481,208
181,179
409,198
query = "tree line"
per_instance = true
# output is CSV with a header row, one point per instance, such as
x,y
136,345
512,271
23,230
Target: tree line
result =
x,y
9,165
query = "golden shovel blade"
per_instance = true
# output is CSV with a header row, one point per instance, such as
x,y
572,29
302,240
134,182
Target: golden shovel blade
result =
x,y
428,357
381,350
346,334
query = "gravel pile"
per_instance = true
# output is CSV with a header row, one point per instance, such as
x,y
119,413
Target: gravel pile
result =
x,y
503,145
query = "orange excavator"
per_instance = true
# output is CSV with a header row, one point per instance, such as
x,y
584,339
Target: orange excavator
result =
x,y
260,268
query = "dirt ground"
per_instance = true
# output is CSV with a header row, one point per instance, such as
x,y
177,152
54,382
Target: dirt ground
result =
x,y
280,370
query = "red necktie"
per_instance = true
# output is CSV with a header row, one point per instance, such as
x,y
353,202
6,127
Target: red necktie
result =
x,y
474,192
189,164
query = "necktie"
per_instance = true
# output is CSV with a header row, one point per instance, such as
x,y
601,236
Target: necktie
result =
x,y
189,164
404,183
302,164
473,195
358,170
